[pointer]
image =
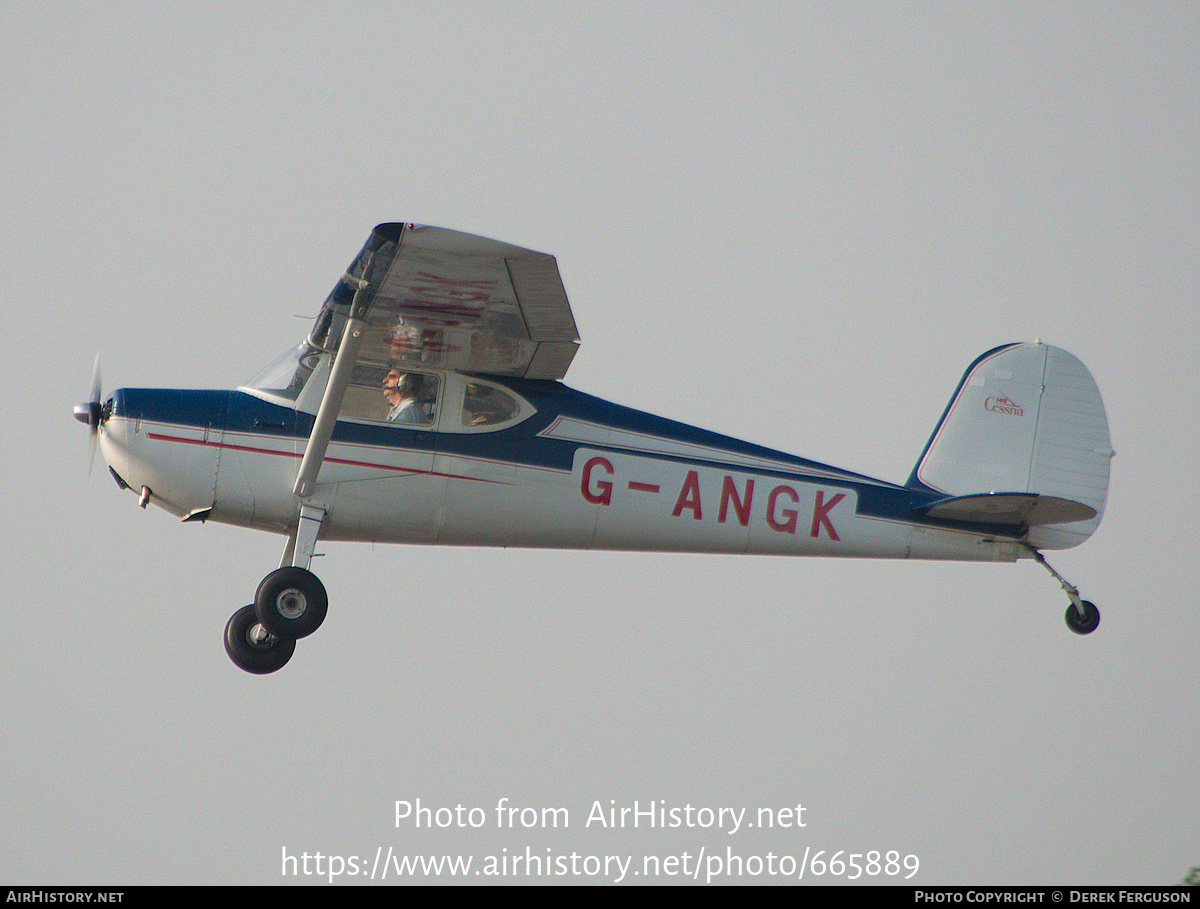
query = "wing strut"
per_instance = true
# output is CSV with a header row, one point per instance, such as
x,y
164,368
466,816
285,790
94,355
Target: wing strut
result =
x,y
335,391
331,403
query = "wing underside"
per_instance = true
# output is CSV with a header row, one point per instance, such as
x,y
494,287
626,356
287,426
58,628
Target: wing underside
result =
x,y
443,299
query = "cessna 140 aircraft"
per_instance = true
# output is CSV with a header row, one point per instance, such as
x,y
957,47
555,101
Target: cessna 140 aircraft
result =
x,y
426,406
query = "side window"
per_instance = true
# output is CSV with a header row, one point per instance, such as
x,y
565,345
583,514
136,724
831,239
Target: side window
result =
x,y
484,405
391,396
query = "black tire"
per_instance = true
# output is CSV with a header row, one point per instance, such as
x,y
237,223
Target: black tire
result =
x,y
291,603
1086,623
249,649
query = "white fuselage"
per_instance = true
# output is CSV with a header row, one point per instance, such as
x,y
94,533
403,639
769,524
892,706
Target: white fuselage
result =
x,y
552,479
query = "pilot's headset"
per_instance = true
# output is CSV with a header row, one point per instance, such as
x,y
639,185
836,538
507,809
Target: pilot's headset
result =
x,y
409,385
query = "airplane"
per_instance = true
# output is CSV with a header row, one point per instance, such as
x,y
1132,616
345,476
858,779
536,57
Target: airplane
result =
x,y
426,406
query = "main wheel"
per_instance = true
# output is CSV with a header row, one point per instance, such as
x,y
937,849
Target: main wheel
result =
x,y
253,648
1086,623
291,602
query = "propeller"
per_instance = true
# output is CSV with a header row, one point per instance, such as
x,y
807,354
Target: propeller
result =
x,y
90,412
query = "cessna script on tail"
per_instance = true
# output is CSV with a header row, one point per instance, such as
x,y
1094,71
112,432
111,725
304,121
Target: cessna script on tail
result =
x,y
427,406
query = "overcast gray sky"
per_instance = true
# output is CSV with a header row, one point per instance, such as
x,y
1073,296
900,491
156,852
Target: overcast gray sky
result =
x,y
809,218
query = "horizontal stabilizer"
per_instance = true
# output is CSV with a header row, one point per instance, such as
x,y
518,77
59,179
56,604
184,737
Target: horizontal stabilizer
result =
x,y
1010,509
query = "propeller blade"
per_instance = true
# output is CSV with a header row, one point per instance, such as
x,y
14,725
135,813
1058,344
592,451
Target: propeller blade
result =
x,y
89,413
95,398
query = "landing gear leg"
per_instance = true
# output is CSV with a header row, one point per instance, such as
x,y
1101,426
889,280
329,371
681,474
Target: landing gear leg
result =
x,y
303,543
1082,616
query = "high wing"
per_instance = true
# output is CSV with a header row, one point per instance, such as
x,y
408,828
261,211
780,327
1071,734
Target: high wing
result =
x,y
439,298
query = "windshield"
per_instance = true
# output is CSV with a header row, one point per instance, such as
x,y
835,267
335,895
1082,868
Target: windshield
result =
x,y
285,376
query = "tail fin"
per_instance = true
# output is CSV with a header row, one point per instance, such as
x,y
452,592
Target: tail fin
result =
x,y
1024,441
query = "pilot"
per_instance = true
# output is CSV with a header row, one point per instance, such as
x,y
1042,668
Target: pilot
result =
x,y
401,390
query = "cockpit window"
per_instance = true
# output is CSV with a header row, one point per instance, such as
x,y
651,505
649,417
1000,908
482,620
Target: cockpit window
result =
x,y
391,396
381,393
285,376
485,405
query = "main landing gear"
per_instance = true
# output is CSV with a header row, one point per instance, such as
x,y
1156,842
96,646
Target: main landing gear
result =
x,y
1082,616
290,604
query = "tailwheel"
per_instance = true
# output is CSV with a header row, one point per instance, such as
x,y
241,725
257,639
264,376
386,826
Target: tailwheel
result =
x,y
1084,618
291,602
252,647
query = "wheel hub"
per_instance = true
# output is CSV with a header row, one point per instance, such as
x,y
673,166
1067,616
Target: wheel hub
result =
x,y
258,637
291,604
